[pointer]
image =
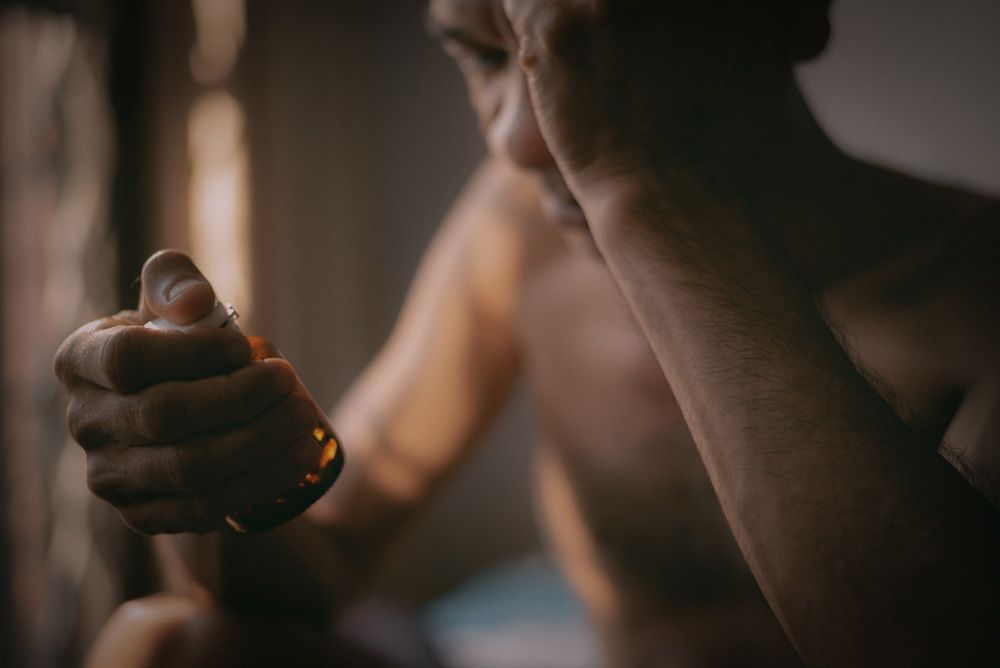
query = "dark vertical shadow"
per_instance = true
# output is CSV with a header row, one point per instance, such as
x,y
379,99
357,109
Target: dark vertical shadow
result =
x,y
8,652
130,40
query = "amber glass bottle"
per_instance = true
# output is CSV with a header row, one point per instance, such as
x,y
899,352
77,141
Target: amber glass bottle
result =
x,y
270,514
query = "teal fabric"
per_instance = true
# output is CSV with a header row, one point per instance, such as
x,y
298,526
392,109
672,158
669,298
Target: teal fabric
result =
x,y
519,615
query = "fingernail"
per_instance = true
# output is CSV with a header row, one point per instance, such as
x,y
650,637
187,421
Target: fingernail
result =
x,y
284,382
178,289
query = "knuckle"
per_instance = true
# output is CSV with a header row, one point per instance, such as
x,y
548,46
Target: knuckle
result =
x,y
121,360
160,414
86,432
177,468
62,362
83,425
187,470
66,361
102,481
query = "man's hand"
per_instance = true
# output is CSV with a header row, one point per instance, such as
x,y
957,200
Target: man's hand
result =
x,y
630,93
180,428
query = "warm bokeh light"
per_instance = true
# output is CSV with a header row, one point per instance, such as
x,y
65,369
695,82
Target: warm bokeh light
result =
x,y
221,28
218,218
219,231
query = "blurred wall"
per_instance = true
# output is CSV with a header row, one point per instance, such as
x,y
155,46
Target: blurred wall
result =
x,y
915,84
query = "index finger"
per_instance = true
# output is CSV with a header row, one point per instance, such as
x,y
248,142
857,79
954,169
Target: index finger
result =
x,y
127,358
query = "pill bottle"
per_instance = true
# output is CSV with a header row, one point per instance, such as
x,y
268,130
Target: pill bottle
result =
x,y
270,514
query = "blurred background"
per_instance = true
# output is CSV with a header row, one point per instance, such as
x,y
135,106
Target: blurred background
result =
x,y
304,152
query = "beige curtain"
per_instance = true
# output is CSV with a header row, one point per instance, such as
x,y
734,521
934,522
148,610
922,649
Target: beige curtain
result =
x,y
57,264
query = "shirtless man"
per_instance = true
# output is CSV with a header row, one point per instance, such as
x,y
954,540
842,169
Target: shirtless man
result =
x,y
766,372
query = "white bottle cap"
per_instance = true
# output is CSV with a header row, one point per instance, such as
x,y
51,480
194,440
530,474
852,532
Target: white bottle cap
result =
x,y
221,315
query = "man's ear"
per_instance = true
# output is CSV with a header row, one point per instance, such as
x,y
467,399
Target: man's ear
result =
x,y
803,28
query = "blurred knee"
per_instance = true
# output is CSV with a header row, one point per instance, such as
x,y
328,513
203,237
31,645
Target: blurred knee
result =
x,y
141,632
166,631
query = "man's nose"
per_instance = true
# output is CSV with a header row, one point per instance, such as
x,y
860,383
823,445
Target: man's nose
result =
x,y
513,132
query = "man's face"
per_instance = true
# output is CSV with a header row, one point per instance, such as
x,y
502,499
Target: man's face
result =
x,y
714,76
477,36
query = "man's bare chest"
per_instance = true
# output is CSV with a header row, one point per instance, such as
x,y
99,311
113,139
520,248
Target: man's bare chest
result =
x,y
595,379
607,411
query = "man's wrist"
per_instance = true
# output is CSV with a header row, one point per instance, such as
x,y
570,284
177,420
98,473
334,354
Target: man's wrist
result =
x,y
629,202
606,193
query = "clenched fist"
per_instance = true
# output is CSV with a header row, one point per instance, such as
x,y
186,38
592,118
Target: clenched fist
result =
x,y
628,92
181,428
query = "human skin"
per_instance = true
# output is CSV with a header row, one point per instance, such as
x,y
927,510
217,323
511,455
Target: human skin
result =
x,y
687,388
868,544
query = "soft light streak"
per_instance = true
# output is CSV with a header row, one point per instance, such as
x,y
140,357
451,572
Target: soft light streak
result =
x,y
220,27
217,207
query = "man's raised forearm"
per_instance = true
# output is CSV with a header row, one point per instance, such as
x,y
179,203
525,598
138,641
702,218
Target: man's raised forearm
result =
x,y
864,539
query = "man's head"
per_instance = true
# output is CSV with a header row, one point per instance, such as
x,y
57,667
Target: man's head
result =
x,y
803,28
766,38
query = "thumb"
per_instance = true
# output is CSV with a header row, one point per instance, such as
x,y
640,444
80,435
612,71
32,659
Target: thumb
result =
x,y
174,289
